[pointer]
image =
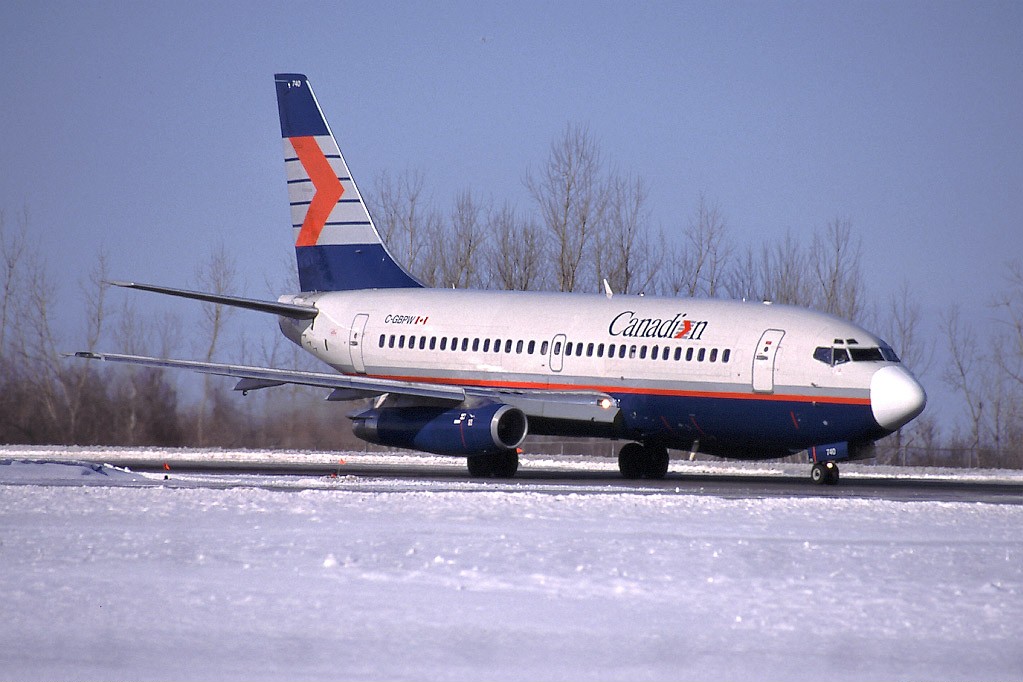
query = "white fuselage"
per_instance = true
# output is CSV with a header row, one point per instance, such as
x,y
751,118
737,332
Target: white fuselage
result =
x,y
684,370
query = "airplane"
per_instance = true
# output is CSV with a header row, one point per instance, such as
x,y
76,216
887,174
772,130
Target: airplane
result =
x,y
470,373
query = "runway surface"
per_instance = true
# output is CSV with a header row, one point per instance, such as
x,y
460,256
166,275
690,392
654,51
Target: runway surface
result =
x,y
553,475
571,474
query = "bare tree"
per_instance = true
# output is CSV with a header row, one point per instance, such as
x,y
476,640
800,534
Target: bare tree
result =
x,y
623,254
13,247
902,329
962,371
216,275
458,251
784,273
742,280
571,197
697,266
836,261
1010,305
517,256
407,221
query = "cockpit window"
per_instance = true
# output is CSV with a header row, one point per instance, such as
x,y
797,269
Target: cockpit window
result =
x,y
889,353
866,354
838,356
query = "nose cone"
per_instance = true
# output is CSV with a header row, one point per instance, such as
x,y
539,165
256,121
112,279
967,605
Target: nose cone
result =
x,y
895,397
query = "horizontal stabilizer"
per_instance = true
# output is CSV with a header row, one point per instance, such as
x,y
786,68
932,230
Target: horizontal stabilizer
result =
x,y
292,310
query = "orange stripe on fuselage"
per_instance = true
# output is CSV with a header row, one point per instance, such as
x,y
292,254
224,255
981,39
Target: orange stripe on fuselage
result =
x,y
528,385
328,189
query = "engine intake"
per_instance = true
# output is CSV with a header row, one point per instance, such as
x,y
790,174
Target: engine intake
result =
x,y
486,429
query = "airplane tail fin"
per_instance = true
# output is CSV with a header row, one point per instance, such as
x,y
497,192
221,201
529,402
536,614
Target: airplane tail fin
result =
x,y
337,246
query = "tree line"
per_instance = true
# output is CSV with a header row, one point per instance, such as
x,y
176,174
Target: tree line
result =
x,y
586,224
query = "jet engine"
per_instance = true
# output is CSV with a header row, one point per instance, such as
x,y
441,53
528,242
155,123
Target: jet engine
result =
x,y
485,429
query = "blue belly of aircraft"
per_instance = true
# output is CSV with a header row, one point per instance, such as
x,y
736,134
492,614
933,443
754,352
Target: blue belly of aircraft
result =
x,y
744,427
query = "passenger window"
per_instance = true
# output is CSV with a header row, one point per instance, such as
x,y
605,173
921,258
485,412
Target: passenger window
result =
x,y
486,345
568,348
390,341
654,351
713,354
621,350
507,346
475,345
518,346
610,350
433,342
689,354
632,352
557,347
411,342
589,351
497,345
543,348
383,337
700,354
664,354
726,355
600,350
422,342
401,341
642,352
678,354
443,343
531,347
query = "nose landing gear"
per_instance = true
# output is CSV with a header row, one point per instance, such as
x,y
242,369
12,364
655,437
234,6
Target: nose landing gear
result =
x,y
825,473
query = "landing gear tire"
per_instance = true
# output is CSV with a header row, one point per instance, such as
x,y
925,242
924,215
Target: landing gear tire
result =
x,y
825,473
643,461
495,465
480,466
631,461
506,464
658,464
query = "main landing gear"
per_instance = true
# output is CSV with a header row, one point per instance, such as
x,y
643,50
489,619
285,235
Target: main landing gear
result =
x,y
495,465
636,460
825,473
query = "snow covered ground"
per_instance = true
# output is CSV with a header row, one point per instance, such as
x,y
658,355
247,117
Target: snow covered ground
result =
x,y
109,574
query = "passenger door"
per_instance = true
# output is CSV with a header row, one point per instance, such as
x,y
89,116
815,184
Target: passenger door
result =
x,y
355,342
763,360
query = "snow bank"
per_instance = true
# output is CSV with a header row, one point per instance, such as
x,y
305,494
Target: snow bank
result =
x,y
41,472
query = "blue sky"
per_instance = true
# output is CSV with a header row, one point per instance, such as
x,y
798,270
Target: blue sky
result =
x,y
150,129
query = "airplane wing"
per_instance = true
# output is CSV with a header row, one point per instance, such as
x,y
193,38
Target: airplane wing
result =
x,y
589,406
251,378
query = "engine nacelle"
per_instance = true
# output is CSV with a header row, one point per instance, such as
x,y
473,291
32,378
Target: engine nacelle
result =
x,y
486,429
836,451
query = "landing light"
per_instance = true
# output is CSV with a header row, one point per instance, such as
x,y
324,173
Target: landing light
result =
x,y
605,403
